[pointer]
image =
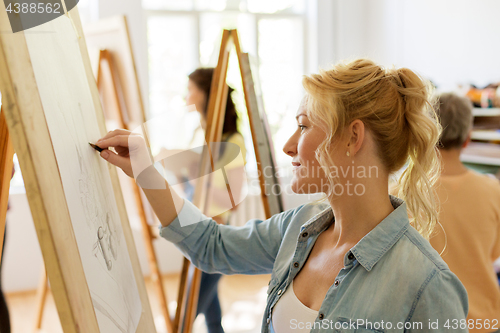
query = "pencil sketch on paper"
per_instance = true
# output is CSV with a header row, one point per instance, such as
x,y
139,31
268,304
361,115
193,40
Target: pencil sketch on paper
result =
x,y
106,244
72,123
107,235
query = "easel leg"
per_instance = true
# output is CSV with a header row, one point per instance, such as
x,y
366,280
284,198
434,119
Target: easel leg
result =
x,y
192,301
179,313
41,296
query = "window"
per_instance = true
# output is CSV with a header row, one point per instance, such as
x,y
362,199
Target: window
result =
x,y
184,35
88,10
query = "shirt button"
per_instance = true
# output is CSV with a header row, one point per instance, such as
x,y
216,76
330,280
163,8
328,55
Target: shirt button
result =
x,y
279,292
350,256
305,234
336,282
295,264
321,316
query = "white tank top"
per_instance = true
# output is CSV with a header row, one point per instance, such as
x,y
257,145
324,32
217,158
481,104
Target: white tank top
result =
x,y
291,315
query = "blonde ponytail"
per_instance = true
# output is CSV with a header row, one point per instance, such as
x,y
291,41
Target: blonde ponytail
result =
x,y
417,183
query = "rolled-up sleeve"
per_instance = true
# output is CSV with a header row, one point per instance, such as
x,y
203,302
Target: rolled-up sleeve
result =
x,y
216,248
442,300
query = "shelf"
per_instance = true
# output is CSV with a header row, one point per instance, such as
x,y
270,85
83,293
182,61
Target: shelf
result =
x,y
481,153
486,135
486,112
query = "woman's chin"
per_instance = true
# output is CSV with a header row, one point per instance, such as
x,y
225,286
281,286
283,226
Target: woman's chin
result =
x,y
301,187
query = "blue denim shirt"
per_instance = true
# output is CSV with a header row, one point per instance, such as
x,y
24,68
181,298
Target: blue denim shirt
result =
x,y
392,279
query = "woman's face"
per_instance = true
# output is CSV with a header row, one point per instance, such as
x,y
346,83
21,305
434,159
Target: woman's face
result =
x,y
308,177
196,96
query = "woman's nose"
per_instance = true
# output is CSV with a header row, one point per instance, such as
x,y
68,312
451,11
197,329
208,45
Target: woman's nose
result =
x,y
290,147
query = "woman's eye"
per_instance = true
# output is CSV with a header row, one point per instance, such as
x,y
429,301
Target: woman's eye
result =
x,y
301,127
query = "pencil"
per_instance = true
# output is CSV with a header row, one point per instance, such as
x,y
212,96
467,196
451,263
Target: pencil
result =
x,y
99,149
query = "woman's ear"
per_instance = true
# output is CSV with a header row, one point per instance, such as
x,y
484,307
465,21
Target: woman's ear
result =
x,y
357,136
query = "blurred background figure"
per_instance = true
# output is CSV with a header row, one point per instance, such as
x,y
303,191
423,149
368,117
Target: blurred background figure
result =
x,y
469,236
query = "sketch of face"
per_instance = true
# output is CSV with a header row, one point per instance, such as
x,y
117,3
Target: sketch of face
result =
x,y
106,244
308,177
111,239
103,249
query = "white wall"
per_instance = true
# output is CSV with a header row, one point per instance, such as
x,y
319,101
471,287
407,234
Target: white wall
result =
x,y
448,41
453,43
22,262
324,33
132,9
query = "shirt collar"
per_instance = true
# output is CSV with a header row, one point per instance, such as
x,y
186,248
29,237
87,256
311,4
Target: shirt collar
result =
x,y
377,242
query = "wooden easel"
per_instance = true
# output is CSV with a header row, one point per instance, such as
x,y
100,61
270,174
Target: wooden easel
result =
x,y
191,276
27,121
107,67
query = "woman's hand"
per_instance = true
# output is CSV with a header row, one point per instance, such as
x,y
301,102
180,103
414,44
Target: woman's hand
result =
x,y
132,154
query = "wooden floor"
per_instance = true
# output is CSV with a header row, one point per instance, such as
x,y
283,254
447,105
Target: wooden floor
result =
x,y
242,298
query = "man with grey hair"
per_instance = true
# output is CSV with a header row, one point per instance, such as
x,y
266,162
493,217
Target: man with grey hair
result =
x,y
455,114
468,236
